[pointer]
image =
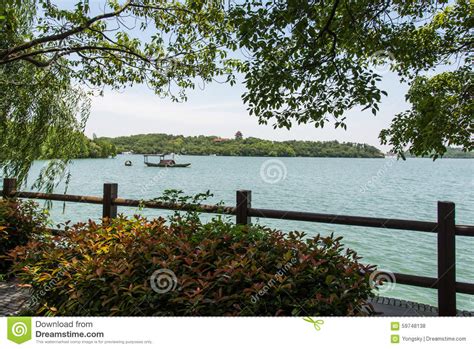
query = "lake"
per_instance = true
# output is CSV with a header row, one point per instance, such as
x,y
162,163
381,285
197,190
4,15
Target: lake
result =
x,y
366,187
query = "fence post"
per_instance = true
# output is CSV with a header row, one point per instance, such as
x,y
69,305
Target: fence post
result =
x,y
446,259
9,187
244,202
109,210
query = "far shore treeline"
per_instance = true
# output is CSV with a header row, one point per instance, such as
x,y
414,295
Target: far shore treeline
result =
x,y
154,143
238,146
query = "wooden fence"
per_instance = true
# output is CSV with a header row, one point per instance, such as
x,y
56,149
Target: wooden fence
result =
x,y
445,229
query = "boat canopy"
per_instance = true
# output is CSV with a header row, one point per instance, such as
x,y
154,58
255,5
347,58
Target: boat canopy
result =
x,y
161,156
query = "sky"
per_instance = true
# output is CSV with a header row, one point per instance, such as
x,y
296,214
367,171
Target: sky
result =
x,y
217,109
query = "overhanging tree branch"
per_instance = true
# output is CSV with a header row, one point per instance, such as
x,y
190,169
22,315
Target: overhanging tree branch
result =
x,y
4,54
69,50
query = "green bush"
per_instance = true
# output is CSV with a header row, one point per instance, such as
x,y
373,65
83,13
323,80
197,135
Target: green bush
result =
x,y
19,220
184,267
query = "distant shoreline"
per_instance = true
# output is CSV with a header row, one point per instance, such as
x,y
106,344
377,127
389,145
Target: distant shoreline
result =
x,y
240,146
269,156
312,157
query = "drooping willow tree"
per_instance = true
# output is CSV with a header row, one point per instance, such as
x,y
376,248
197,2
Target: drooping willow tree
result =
x,y
41,116
48,52
41,113
307,62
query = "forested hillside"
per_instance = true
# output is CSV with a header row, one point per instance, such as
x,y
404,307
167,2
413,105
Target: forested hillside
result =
x,y
81,147
451,153
239,146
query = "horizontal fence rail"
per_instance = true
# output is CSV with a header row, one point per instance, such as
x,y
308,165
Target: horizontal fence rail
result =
x,y
445,229
98,200
387,223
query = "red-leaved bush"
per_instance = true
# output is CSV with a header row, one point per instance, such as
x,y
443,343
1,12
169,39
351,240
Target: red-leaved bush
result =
x,y
157,267
19,221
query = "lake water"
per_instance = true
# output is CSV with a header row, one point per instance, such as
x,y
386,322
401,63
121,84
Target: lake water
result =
x,y
367,187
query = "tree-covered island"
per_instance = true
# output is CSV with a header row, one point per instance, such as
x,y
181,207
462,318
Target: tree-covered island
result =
x,y
239,146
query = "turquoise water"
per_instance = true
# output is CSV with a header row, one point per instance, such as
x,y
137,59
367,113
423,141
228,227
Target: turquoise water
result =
x,y
367,187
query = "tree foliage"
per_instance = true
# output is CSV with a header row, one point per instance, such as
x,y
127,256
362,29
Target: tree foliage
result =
x,y
87,148
311,61
442,114
40,110
117,267
305,62
205,145
184,40
49,53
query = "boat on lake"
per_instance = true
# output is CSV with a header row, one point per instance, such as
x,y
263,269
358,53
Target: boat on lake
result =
x,y
166,160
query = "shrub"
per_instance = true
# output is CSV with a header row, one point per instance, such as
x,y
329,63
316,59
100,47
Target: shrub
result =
x,y
142,267
19,220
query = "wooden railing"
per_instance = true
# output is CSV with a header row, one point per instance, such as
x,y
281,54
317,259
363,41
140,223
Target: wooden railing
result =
x,y
445,229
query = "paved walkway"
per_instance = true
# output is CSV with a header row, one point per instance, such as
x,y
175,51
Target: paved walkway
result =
x,y
12,299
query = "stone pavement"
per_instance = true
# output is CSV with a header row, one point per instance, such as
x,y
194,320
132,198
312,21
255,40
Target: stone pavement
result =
x,y
13,298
